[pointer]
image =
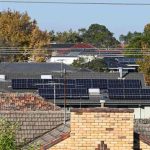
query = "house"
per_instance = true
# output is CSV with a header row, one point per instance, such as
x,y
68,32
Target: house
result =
x,y
96,129
67,53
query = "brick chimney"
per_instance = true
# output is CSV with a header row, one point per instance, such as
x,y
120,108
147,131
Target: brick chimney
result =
x,y
91,126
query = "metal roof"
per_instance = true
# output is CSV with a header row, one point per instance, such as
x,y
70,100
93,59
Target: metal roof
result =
x,y
34,67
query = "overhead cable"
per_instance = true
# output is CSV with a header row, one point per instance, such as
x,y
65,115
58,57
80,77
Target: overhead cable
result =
x,y
75,3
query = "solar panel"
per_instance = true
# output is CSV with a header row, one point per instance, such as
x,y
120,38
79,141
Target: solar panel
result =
x,y
116,93
70,83
132,91
85,83
132,84
99,83
28,83
145,93
115,83
59,93
19,84
129,94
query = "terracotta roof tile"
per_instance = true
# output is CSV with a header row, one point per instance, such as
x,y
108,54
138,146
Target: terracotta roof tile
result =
x,y
24,102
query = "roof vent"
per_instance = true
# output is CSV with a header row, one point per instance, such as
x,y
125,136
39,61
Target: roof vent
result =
x,y
46,76
2,77
120,72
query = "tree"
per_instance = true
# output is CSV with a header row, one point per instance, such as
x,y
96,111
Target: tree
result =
x,y
96,34
126,39
7,135
38,40
144,67
97,65
144,63
134,48
79,62
8,131
67,37
99,36
18,30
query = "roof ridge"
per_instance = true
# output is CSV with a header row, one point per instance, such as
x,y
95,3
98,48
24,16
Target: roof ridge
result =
x,y
53,142
142,137
62,137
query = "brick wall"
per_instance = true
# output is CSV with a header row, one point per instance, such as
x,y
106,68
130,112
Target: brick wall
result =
x,y
91,126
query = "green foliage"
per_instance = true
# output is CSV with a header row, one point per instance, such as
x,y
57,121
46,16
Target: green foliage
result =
x,y
97,65
137,41
126,39
7,135
99,36
66,37
96,34
8,132
144,67
79,62
34,147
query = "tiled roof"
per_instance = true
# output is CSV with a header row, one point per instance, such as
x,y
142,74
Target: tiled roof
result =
x,y
142,130
24,102
82,45
60,45
62,132
139,137
52,137
33,124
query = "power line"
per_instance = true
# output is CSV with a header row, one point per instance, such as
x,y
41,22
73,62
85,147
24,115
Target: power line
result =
x,y
75,3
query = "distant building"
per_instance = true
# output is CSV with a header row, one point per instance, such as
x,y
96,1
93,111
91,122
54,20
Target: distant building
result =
x,y
67,53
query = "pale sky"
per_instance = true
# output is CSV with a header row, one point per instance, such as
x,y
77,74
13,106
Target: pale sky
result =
x,y
118,19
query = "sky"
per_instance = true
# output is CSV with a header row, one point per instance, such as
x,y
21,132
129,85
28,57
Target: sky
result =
x,y
118,19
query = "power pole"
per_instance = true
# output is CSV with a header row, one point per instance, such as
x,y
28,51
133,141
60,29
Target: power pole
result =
x,y
64,96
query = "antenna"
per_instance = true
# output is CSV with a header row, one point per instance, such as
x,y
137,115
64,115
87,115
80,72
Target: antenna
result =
x,y
53,84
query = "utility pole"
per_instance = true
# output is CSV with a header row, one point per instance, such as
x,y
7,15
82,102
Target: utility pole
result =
x,y
54,96
64,96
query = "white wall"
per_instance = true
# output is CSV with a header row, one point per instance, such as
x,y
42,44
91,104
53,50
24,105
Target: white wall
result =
x,y
144,113
87,58
65,60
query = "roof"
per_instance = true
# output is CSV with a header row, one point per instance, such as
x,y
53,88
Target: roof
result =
x,y
33,67
52,137
62,132
104,75
33,124
83,45
24,102
142,130
95,101
71,45
142,138
61,45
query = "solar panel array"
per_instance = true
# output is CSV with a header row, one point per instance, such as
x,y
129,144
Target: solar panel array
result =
x,y
28,83
78,88
129,94
70,93
136,84
70,83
